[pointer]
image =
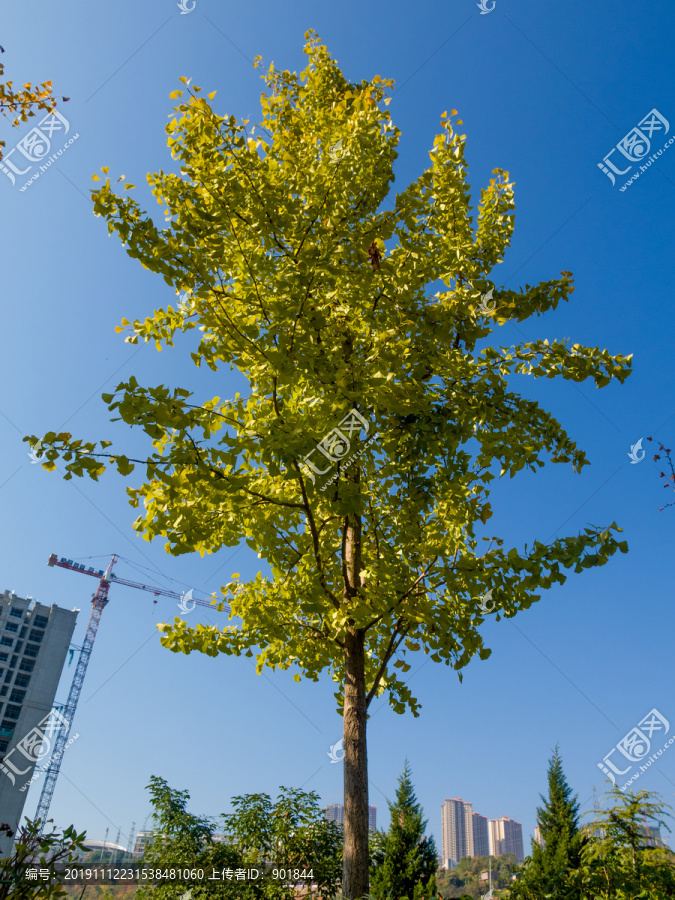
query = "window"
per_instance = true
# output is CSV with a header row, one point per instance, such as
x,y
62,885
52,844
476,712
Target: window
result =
x,y
8,675
23,631
4,657
11,626
16,696
31,651
18,647
6,642
22,681
3,690
26,665
12,712
3,746
12,664
35,635
8,725
16,612
40,621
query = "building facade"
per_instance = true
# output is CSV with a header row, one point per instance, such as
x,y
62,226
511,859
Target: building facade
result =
x,y
335,812
143,838
34,641
481,842
506,836
457,831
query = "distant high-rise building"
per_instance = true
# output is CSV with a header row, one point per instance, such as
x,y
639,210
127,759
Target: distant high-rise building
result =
x,y
458,831
335,812
34,642
537,836
506,836
143,838
481,844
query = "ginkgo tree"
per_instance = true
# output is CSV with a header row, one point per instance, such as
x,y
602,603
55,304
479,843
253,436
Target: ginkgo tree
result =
x,y
378,408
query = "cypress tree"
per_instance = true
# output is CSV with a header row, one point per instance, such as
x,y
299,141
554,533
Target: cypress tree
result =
x,y
404,860
547,872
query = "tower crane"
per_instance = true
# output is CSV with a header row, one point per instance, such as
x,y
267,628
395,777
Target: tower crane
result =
x,y
99,601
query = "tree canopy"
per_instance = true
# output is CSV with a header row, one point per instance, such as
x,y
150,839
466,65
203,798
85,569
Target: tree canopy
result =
x,y
268,238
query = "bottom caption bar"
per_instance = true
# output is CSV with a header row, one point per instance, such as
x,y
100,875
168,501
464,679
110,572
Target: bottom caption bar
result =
x,y
60,874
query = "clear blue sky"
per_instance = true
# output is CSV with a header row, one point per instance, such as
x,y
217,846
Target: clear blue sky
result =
x,y
545,90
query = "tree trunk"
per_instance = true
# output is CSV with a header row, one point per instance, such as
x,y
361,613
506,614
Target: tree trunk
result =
x,y
356,857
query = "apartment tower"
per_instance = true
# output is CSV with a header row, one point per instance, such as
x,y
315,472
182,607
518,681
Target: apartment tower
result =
x,y
506,836
457,823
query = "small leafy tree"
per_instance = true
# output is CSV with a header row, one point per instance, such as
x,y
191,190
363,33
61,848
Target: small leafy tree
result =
x,y
546,872
289,834
404,861
329,305
624,864
37,847
185,841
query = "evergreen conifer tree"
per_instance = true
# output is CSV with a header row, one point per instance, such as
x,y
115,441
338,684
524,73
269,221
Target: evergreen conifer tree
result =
x,y
547,872
404,860
625,861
